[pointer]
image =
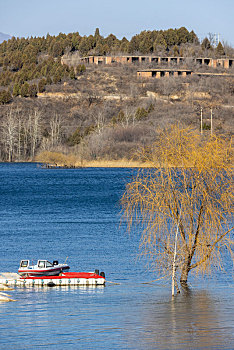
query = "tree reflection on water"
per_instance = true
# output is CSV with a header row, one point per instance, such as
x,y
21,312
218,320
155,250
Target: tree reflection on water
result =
x,y
188,321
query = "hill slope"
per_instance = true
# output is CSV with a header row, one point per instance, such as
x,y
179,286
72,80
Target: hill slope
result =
x,y
107,113
100,112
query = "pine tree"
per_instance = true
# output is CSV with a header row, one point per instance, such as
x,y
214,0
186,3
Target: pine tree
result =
x,y
72,73
160,43
57,76
48,80
183,35
80,68
175,50
5,97
24,92
193,38
41,85
16,90
32,90
206,44
220,50
84,46
97,33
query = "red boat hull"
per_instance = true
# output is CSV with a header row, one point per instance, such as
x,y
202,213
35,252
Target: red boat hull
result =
x,y
86,275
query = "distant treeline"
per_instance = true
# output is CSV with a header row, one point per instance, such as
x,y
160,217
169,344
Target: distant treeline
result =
x,y
146,42
37,60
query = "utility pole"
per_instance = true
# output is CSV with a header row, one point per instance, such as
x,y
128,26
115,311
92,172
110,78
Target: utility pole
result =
x,y
201,121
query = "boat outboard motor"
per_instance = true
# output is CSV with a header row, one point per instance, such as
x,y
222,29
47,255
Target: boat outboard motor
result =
x,y
102,274
55,262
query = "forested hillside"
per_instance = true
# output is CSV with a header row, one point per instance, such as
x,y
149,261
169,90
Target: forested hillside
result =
x,y
104,112
28,64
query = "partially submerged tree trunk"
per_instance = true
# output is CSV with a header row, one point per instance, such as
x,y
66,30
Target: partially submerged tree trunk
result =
x,y
184,273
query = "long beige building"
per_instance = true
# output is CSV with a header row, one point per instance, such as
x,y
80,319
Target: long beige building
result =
x,y
130,59
167,72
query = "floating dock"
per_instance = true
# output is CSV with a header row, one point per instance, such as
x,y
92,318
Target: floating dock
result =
x,y
65,279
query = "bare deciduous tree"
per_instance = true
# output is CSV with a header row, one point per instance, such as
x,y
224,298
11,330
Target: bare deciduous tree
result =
x,y
129,115
55,130
19,143
35,131
189,190
99,121
9,133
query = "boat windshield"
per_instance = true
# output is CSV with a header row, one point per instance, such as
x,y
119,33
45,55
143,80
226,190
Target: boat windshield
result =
x,y
24,263
44,263
41,264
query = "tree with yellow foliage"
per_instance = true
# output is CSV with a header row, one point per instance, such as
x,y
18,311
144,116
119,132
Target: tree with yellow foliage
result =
x,y
183,204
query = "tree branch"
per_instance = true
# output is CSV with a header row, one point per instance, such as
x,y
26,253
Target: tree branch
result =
x,y
211,249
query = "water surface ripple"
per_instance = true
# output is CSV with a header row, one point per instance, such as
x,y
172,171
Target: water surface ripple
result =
x,y
53,214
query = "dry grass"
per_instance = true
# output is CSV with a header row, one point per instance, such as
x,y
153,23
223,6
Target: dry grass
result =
x,y
62,160
120,163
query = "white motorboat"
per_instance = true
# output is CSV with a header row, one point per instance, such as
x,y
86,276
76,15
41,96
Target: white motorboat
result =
x,y
42,268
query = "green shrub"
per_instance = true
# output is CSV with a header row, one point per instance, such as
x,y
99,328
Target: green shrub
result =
x,y
16,89
5,97
32,90
41,85
24,91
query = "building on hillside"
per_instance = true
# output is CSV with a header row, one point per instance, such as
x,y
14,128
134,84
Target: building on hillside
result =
x,y
169,61
167,72
159,73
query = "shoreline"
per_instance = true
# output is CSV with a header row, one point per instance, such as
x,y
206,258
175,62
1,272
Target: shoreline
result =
x,y
89,164
58,159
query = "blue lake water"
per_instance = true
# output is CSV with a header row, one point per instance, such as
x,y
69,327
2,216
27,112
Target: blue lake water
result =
x,y
52,214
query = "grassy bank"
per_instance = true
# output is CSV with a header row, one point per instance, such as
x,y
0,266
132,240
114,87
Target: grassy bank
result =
x,y
120,163
56,159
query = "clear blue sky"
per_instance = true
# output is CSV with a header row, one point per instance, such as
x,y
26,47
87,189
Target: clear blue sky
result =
x,y
120,17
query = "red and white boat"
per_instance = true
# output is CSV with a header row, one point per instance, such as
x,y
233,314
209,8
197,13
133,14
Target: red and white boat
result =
x,y
44,273
66,279
42,268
